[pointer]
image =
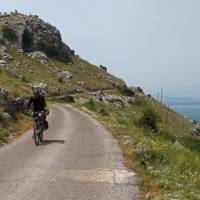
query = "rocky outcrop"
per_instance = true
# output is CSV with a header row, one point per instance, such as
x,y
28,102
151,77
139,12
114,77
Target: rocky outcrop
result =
x,y
20,103
64,76
137,90
121,85
39,56
106,98
81,101
3,96
31,33
4,54
196,130
5,116
10,105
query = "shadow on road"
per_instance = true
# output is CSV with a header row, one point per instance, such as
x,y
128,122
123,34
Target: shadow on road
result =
x,y
46,142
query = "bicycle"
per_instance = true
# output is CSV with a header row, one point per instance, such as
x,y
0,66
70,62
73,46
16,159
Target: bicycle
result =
x,y
38,126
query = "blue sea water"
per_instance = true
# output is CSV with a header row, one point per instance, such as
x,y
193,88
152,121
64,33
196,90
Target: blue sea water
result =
x,y
191,111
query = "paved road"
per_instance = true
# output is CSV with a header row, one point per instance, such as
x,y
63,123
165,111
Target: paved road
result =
x,y
79,160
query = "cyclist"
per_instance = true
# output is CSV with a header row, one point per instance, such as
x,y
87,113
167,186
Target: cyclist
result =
x,y
39,103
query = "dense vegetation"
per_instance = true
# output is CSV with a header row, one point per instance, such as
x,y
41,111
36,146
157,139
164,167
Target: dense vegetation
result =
x,y
9,33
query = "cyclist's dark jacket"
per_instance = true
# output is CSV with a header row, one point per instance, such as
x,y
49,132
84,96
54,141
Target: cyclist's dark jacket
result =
x,y
39,103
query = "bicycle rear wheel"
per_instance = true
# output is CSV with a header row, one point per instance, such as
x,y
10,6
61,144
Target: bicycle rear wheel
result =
x,y
36,137
37,134
41,136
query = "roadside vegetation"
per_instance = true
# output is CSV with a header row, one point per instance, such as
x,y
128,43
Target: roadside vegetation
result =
x,y
156,143
10,129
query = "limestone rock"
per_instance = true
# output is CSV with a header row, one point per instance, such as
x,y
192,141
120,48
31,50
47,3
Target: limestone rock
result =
x,y
105,98
39,56
3,95
19,103
64,76
2,49
196,131
6,116
2,62
81,101
116,84
31,33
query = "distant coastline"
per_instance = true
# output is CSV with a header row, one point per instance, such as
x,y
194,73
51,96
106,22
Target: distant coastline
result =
x,y
188,107
182,100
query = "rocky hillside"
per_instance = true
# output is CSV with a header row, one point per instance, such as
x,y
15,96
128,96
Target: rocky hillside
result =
x,y
30,33
32,52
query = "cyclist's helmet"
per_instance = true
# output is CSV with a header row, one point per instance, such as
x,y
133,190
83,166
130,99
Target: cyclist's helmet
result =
x,y
36,89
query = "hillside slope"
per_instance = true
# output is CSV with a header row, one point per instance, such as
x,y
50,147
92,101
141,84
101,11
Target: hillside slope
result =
x,y
18,73
32,51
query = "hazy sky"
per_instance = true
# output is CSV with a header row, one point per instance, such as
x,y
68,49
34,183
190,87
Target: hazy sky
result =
x,y
150,43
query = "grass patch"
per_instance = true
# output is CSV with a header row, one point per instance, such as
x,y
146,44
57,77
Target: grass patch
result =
x,y
91,105
14,128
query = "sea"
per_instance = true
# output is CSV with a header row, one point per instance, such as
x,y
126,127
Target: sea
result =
x,y
190,111
186,106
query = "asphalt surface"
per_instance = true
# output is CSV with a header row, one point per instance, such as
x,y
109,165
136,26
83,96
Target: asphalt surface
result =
x,y
79,160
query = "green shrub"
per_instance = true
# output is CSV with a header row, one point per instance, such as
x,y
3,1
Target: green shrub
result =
x,y
60,80
24,79
127,92
3,136
67,99
91,105
149,120
165,183
9,33
191,143
140,101
103,112
152,157
2,121
166,136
